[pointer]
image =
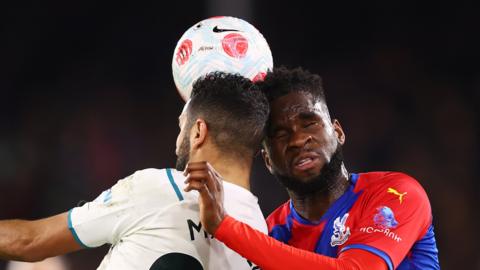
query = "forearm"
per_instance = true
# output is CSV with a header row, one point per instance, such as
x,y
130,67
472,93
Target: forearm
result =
x,y
36,240
16,239
270,254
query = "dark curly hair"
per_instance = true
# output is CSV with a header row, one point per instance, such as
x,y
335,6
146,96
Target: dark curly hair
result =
x,y
234,109
282,81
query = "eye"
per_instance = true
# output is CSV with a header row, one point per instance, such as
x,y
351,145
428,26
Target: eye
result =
x,y
280,134
310,124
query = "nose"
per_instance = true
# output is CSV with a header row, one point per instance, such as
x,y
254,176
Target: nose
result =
x,y
299,140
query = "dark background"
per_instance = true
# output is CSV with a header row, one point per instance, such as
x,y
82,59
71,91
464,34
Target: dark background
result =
x,y
87,97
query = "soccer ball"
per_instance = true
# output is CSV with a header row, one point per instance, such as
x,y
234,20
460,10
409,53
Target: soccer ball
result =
x,y
225,44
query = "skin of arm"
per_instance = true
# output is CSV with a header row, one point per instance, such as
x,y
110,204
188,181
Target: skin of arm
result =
x,y
35,240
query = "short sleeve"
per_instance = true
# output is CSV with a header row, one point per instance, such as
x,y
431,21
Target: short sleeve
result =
x,y
392,218
102,220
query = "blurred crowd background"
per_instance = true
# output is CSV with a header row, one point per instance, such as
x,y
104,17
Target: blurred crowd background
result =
x,y
87,97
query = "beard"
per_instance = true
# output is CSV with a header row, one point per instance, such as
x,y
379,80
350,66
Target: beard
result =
x,y
183,155
326,180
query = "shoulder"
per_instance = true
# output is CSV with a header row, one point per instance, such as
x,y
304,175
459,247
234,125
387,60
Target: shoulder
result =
x,y
152,173
152,176
389,183
395,190
279,215
146,183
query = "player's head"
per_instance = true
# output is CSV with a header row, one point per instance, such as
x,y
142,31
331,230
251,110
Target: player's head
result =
x,y
303,144
225,111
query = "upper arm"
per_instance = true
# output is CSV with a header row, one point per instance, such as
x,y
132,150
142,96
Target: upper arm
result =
x,y
91,225
105,219
362,259
396,216
118,210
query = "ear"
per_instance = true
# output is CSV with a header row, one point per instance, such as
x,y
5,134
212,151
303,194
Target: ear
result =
x,y
339,132
198,133
266,159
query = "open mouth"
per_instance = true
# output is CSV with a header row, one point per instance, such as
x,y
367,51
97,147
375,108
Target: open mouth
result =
x,y
305,163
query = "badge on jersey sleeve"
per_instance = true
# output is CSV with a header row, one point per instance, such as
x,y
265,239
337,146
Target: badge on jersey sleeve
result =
x,y
385,218
105,197
384,221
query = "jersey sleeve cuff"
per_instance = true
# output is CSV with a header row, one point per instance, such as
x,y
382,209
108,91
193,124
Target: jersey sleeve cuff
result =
x,y
373,250
224,227
72,230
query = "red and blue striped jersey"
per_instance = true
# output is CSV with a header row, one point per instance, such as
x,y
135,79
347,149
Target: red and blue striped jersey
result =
x,y
385,213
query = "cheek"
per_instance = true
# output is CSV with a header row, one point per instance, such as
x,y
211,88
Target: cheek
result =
x,y
178,142
326,136
276,153
329,148
329,130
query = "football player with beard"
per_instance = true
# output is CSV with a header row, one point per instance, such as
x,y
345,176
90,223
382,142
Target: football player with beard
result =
x,y
334,219
147,219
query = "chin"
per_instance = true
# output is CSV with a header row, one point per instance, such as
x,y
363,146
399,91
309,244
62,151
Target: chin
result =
x,y
316,178
307,175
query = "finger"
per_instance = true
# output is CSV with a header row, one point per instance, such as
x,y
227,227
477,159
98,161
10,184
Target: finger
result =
x,y
204,170
195,185
197,176
211,168
203,176
193,166
211,182
189,180
217,178
206,197
202,167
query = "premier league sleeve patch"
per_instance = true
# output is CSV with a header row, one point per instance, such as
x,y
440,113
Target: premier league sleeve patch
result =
x,y
384,221
385,218
391,219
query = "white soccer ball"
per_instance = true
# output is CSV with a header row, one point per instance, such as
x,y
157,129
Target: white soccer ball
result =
x,y
225,44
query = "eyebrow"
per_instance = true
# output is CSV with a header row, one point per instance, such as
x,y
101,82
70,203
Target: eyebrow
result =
x,y
307,115
273,128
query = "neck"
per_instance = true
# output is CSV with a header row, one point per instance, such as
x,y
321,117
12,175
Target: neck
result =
x,y
232,169
313,206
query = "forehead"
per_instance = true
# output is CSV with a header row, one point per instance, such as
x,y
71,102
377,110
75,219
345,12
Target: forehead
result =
x,y
296,104
183,114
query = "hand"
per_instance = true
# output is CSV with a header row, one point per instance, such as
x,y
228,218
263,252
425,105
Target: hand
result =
x,y
202,177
